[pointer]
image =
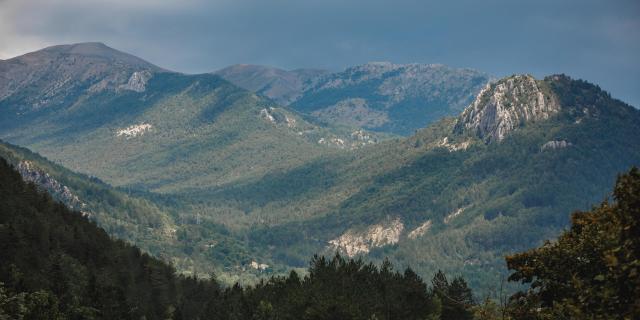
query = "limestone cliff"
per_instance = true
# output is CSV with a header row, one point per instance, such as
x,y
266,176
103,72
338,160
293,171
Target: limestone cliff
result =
x,y
502,107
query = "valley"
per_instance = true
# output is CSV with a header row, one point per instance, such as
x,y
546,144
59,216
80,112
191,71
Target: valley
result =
x,y
215,178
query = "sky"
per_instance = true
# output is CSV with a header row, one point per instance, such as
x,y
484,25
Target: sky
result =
x,y
595,40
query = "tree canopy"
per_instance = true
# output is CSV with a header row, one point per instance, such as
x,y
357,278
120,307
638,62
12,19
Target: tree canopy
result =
x,y
592,271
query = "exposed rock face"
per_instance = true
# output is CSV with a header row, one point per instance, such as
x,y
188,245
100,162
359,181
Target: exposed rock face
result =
x,y
358,139
454,214
361,135
332,141
504,106
453,147
138,81
555,144
353,242
31,173
259,266
281,118
277,117
420,230
134,130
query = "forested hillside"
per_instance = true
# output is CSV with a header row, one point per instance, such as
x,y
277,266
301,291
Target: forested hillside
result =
x,y
59,265
147,128
56,264
448,199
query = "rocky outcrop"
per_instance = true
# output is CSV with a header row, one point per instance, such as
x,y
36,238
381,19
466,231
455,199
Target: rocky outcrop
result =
x,y
454,214
502,107
420,230
134,130
57,190
555,144
277,117
138,81
332,142
355,242
453,147
258,266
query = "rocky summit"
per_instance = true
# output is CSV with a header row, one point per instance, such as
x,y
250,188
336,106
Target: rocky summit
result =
x,y
503,106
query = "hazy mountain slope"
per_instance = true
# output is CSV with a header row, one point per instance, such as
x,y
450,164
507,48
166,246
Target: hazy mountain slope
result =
x,y
158,130
56,75
384,97
390,97
280,85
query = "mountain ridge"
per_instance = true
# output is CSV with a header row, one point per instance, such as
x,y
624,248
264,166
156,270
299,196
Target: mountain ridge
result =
x,y
283,86
379,96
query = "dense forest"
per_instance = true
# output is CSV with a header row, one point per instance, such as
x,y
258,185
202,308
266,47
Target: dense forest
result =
x,y
56,264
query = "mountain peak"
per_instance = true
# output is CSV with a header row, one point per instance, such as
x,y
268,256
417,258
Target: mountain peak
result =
x,y
505,105
58,71
92,50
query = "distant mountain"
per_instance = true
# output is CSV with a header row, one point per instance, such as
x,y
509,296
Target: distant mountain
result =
x,y
393,98
379,96
280,85
52,75
103,112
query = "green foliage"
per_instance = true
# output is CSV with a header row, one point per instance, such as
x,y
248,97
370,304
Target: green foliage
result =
x,y
58,265
592,271
455,297
335,288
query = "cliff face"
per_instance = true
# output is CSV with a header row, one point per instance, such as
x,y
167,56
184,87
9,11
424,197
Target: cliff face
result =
x,y
504,106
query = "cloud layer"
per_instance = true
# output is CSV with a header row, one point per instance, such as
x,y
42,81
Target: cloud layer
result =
x,y
595,40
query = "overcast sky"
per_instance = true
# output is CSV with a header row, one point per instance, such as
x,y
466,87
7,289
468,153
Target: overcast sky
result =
x,y
596,40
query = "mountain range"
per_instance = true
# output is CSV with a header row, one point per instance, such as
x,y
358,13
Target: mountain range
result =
x,y
379,96
204,173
